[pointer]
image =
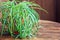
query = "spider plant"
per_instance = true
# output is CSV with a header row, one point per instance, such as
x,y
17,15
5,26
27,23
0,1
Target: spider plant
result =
x,y
19,19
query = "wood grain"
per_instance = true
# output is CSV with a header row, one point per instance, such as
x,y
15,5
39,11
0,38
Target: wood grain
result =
x,y
50,30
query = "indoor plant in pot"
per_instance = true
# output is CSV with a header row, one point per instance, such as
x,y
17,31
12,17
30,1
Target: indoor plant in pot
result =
x,y
19,18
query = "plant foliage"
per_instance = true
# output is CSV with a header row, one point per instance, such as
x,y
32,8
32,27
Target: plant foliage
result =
x,y
19,18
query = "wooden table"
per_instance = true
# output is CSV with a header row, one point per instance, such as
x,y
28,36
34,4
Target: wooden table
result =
x,y
49,31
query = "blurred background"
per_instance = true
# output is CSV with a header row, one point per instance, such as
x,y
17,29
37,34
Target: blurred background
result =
x,y
53,8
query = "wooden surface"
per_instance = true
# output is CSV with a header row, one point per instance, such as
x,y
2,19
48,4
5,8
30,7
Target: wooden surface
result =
x,y
50,6
49,31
